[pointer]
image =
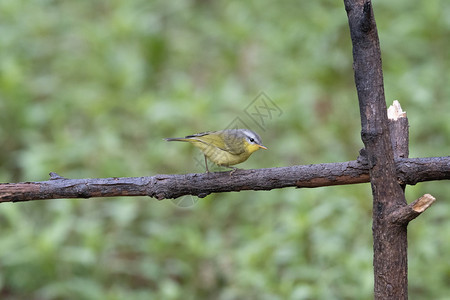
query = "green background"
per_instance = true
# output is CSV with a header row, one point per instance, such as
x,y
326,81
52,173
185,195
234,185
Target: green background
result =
x,y
90,89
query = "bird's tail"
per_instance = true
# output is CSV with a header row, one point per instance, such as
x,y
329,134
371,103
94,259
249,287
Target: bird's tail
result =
x,y
176,139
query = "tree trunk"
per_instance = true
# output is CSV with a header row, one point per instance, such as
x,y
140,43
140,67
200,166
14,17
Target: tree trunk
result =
x,y
389,239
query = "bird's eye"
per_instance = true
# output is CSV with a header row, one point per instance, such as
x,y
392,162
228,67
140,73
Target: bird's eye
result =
x,y
252,140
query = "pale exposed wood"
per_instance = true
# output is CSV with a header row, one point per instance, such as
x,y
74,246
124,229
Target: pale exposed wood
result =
x,y
405,214
395,111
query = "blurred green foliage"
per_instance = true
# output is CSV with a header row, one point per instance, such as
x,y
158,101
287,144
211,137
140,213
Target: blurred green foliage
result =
x,y
90,88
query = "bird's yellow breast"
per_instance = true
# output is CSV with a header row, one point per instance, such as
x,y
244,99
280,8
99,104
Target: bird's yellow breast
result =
x,y
250,148
221,157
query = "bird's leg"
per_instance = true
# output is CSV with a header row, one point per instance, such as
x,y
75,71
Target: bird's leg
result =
x,y
234,170
206,164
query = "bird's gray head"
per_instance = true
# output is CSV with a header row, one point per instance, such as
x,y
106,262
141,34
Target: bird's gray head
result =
x,y
251,136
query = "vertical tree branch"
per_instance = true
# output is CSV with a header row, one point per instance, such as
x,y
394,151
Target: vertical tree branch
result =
x,y
390,240
399,130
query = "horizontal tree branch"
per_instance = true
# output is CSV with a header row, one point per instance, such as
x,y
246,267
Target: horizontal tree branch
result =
x,y
409,170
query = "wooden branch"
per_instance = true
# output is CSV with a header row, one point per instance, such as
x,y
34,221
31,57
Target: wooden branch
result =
x,y
399,129
405,214
201,185
390,242
413,170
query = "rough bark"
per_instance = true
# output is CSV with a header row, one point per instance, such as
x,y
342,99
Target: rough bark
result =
x,y
407,213
399,130
390,239
410,171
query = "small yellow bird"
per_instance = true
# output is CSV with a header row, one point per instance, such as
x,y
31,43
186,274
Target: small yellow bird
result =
x,y
225,147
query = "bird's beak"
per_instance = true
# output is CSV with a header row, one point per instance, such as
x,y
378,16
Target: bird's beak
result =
x,y
262,147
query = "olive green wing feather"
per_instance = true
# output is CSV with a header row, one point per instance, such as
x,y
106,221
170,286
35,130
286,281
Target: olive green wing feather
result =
x,y
216,139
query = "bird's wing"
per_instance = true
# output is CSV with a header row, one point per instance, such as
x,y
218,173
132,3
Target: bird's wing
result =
x,y
233,149
210,138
